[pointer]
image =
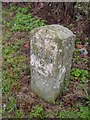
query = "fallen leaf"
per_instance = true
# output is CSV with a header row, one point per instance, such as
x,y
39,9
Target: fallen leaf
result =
x,y
80,46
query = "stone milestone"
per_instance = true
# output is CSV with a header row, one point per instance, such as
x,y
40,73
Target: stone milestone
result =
x,y
50,60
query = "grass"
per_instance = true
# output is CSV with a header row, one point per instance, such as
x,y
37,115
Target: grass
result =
x,y
83,112
17,24
16,61
37,112
11,52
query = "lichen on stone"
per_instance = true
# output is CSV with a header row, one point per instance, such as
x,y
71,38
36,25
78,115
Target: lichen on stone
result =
x,y
51,54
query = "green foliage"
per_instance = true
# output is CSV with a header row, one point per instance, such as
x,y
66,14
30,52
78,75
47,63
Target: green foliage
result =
x,y
66,114
10,76
22,10
82,8
25,22
6,87
37,112
11,104
84,112
76,72
81,74
49,114
10,109
7,23
77,41
19,114
21,20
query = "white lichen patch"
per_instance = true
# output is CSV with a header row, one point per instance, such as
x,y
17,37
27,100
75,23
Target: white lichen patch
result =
x,y
66,47
37,35
60,50
38,44
59,66
61,77
51,47
45,70
48,36
62,72
48,69
34,61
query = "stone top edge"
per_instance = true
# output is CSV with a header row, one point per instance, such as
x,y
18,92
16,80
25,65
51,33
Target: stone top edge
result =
x,y
62,32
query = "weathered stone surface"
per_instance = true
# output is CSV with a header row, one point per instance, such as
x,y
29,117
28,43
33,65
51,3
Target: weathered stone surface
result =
x,y
51,57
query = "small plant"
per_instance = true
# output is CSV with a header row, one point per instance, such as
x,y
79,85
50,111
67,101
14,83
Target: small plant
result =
x,y
78,41
81,74
84,76
37,112
19,114
75,72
